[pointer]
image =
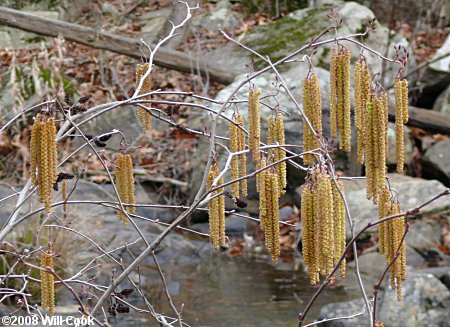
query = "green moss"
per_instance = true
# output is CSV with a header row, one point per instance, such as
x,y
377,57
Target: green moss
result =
x,y
285,35
268,6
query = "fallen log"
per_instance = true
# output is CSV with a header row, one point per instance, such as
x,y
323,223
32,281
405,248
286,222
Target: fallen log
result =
x,y
102,40
428,120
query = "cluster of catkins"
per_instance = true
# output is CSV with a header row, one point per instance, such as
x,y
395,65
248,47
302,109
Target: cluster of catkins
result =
x,y
391,240
323,210
323,220
371,121
47,282
216,208
144,116
239,162
125,184
43,157
270,181
340,97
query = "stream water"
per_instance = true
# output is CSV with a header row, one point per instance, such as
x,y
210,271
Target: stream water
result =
x,y
240,291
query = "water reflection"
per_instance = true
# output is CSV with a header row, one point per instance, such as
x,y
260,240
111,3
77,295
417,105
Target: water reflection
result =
x,y
239,291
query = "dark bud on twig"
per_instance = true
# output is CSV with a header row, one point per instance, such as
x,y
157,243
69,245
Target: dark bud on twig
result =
x,y
239,203
105,138
77,109
112,310
84,99
68,99
127,291
100,144
122,308
61,176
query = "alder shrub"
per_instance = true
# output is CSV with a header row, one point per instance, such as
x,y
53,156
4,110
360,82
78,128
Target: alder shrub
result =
x,y
324,210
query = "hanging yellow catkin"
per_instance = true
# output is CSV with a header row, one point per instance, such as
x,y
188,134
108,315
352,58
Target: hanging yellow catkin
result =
x,y
312,106
391,234
261,188
333,92
35,148
64,194
369,147
340,97
275,136
216,209
242,157
345,142
43,158
362,92
234,147
339,226
308,237
376,144
125,184
323,225
144,116
281,154
401,117
254,124
47,283
272,219
275,218
326,212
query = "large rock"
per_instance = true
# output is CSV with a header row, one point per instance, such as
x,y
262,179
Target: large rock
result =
x,y
98,223
437,76
221,17
442,103
289,33
15,39
436,162
425,303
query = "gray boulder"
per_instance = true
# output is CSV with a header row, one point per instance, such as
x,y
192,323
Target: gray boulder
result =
x,y
442,103
436,162
425,303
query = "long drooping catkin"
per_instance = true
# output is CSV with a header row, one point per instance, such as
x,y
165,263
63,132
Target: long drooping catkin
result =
x,y
235,160
362,93
312,106
339,226
125,184
64,194
376,144
35,148
340,97
261,188
216,209
238,163
272,219
242,157
47,283
144,116
280,154
323,220
254,124
43,157
401,118
391,234
275,136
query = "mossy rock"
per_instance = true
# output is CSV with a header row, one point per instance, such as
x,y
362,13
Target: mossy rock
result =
x,y
287,34
268,6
